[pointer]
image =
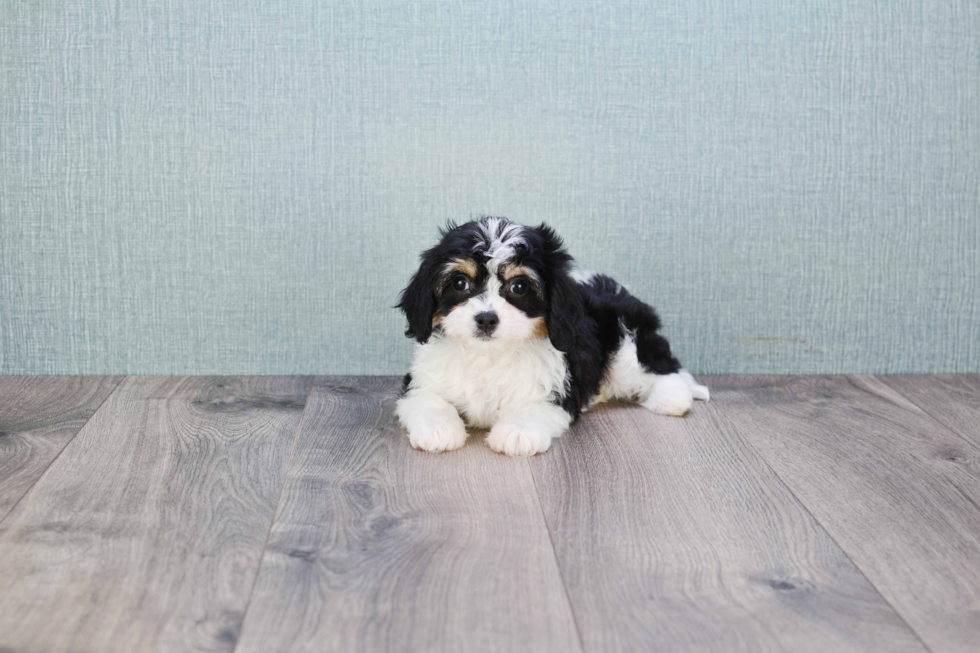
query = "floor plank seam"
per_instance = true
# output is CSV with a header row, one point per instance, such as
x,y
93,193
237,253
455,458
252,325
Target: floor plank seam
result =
x,y
13,508
275,514
554,556
928,414
829,534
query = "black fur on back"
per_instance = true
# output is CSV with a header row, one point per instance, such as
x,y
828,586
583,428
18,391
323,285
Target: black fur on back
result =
x,y
616,313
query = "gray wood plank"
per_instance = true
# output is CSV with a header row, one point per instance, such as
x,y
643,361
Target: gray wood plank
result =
x,y
898,491
39,415
147,532
672,534
951,399
378,547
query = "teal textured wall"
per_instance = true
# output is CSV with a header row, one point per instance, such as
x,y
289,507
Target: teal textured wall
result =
x,y
206,186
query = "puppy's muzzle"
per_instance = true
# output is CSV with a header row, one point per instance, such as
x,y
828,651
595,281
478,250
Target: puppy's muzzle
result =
x,y
486,323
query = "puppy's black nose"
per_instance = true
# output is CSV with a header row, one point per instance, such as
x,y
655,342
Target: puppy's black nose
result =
x,y
487,321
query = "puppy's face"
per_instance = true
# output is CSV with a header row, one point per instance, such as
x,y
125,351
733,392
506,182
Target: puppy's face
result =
x,y
486,281
477,302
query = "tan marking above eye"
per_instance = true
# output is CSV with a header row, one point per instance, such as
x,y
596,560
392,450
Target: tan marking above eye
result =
x,y
519,271
465,265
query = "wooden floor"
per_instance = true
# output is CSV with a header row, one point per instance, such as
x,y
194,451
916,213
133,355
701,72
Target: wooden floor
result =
x,y
262,514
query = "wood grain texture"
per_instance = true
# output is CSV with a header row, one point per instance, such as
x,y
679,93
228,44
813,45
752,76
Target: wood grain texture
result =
x,y
147,532
38,417
377,547
672,534
951,399
898,491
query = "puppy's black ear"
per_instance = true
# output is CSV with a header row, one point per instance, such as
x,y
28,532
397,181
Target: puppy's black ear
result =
x,y
418,300
571,329
567,320
566,313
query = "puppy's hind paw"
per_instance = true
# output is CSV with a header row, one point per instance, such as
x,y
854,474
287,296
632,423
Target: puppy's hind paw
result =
x,y
517,439
698,391
671,395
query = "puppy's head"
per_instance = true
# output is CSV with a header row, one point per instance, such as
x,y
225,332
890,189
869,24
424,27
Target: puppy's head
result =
x,y
492,281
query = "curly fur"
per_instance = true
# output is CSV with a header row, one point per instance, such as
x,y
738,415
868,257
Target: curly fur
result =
x,y
512,338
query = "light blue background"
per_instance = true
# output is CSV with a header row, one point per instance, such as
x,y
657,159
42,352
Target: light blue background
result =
x,y
243,187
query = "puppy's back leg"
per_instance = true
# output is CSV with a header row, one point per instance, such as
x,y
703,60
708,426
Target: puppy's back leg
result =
x,y
643,369
666,388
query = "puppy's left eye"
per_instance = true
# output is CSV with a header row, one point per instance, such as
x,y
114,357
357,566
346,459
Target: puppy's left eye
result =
x,y
461,284
518,286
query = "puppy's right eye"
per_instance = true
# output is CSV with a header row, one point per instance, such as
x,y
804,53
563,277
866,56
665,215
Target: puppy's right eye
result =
x,y
461,284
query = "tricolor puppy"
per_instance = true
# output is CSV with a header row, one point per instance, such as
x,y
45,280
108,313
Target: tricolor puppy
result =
x,y
513,339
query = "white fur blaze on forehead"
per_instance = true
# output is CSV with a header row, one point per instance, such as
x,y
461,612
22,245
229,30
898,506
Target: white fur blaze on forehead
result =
x,y
500,237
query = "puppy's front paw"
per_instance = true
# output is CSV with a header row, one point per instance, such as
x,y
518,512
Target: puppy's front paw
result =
x,y
517,439
439,434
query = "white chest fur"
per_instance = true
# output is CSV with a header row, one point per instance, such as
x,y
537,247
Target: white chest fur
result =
x,y
486,381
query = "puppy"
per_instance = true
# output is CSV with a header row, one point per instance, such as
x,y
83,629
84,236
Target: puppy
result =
x,y
512,338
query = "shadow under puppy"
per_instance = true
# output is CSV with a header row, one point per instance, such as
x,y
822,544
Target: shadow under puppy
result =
x,y
514,339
